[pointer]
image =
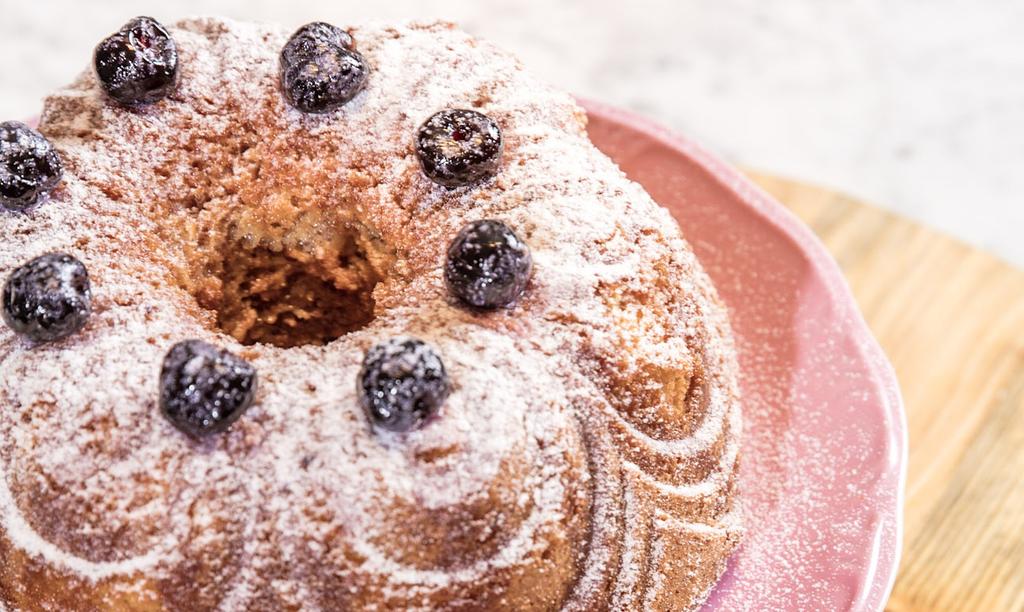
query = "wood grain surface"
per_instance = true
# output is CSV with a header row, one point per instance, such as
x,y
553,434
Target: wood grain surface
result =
x,y
951,319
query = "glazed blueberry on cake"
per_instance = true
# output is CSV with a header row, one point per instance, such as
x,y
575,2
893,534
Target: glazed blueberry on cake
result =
x,y
348,317
29,166
138,63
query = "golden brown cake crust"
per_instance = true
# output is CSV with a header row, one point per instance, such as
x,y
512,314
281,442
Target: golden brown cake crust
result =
x,y
584,460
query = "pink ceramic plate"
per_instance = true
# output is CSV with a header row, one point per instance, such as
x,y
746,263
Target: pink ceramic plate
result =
x,y
824,450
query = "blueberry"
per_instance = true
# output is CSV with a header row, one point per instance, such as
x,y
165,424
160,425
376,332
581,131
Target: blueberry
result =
x,y
458,147
320,69
29,166
47,298
402,384
488,266
138,64
203,388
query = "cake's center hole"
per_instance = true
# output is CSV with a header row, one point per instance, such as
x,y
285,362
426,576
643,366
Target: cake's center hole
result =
x,y
290,297
286,274
274,244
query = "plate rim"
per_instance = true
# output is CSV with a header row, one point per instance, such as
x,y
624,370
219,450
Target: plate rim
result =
x,y
827,269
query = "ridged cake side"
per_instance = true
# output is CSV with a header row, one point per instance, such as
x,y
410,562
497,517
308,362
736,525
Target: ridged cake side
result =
x,y
584,460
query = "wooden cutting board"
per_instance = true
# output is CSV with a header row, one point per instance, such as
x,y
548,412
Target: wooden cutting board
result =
x,y
951,319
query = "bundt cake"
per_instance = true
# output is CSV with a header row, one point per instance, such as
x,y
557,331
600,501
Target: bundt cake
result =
x,y
348,319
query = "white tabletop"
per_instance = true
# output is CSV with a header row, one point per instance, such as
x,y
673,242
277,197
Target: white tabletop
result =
x,y
917,106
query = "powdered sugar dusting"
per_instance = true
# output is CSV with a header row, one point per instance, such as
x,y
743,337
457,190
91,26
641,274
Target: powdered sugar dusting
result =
x,y
606,399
